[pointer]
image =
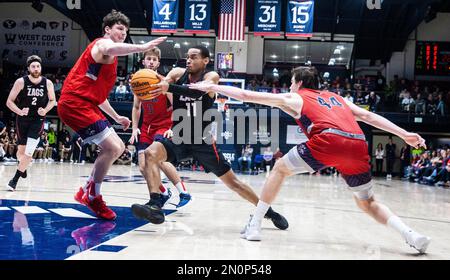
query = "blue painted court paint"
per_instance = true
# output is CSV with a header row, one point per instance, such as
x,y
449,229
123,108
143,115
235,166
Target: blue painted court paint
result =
x,y
109,248
50,236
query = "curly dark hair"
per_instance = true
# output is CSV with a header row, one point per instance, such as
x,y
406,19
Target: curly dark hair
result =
x,y
308,75
115,17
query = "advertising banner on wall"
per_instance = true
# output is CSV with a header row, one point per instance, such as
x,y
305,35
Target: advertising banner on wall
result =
x,y
49,39
295,135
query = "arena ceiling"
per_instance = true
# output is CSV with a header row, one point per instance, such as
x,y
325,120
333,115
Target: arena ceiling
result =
x,y
377,33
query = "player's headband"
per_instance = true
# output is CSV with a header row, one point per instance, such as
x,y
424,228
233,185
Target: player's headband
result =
x,y
33,58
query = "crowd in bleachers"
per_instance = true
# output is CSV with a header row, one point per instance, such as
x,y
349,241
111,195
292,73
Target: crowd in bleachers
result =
x,y
431,167
374,93
54,146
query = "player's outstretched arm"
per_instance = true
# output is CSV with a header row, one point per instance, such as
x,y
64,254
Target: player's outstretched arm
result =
x,y
412,139
290,103
107,47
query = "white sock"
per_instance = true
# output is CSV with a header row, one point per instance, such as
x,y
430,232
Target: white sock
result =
x,y
261,210
396,223
163,190
181,188
87,183
97,191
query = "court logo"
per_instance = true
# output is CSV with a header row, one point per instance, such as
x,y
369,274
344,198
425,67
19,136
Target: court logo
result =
x,y
374,4
53,25
9,24
73,4
20,53
10,39
63,55
65,24
50,55
25,24
39,24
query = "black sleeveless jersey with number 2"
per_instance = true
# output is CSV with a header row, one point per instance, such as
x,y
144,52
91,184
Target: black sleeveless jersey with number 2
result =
x,y
33,96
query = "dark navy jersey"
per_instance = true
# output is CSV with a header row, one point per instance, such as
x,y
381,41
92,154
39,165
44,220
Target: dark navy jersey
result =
x,y
33,96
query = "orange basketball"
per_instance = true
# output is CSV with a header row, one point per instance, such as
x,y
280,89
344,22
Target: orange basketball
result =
x,y
141,83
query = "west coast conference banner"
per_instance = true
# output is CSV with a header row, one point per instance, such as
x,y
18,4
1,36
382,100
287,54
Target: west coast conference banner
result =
x,y
49,39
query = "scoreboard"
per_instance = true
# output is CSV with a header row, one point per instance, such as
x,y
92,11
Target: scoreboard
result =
x,y
432,58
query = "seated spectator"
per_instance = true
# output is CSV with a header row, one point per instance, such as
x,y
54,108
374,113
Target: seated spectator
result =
x,y
268,159
77,148
360,99
441,109
66,149
121,92
277,155
3,136
407,103
247,152
274,89
40,149
431,105
348,97
443,177
252,85
284,88
421,105
264,87
373,100
12,145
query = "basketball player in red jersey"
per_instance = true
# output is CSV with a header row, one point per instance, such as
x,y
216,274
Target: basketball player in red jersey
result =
x,y
85,92
335,140
156,123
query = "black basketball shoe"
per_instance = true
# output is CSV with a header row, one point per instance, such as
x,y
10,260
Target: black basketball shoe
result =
x,y
12,185
277,219
151,212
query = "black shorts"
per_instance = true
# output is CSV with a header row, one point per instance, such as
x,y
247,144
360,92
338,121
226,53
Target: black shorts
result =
x,y
207,155
28,128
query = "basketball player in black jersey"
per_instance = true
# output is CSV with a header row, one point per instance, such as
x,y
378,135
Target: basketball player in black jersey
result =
x,y
164,149
31,98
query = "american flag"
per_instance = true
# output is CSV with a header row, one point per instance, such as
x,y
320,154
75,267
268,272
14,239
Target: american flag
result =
x,y
232,20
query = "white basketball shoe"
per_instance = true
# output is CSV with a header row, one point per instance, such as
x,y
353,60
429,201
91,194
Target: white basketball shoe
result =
x,y
252,231
418,241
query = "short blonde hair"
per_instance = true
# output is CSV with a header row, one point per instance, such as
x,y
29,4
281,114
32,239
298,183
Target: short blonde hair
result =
x,y
155,51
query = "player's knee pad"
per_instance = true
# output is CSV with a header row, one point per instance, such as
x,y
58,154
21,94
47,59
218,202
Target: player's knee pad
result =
x,y
31,146
363,192
295,163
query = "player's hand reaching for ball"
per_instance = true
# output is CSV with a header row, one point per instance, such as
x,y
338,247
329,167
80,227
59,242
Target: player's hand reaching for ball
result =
x,y
124,121
134,136
415,140
42,112
160,88
24,112
150,45
203,86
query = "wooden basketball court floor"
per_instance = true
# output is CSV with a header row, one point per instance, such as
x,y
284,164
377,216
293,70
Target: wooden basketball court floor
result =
x,y
324,220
